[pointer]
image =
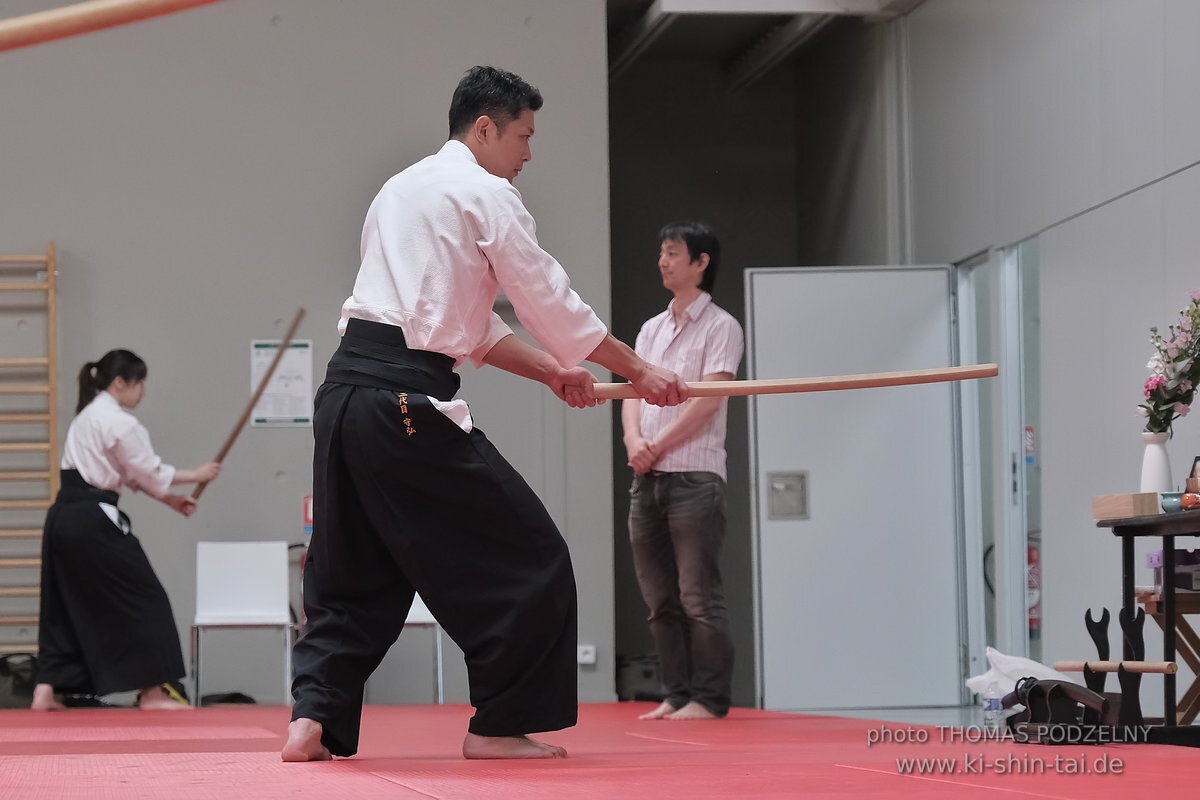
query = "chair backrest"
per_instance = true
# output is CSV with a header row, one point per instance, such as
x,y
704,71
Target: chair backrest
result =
x,y
419,614
242,583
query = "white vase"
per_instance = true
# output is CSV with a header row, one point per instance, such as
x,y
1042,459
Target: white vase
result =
x,y
1156,466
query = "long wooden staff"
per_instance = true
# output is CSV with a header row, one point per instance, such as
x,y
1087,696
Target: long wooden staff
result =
x,y
869,380
241,423
72,20
1159,667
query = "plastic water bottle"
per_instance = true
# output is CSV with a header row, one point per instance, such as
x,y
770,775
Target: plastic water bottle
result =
x,y
993,712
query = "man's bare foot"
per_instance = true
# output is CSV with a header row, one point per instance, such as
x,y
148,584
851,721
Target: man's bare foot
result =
x,y
155,698
663,710
475,746
44,699
304,742
692,710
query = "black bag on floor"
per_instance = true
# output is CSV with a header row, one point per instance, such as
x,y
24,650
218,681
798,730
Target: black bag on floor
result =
x,y
1059,712
18,674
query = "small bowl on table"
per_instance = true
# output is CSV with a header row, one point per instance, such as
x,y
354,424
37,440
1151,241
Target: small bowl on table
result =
x,y
1171,501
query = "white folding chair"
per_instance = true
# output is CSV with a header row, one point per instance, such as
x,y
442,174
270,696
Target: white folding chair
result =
x,y
419,615
242,585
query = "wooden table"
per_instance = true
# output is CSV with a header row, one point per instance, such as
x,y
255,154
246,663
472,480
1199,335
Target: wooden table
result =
x,y
1165,527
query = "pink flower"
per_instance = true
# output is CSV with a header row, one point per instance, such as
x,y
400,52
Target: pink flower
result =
x,y
1185,386
1194,295
1182,409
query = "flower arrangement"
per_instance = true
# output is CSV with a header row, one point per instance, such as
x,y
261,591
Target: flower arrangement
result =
x,y
1174,369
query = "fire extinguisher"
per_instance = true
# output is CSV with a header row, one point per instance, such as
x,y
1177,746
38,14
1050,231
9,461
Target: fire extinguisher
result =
x,y
1033,588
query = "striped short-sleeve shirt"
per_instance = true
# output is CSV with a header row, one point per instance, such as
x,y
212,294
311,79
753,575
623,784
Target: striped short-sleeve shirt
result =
x,y
708,341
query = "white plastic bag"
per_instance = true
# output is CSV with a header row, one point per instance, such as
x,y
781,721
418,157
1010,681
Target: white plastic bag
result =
x,y
1007,670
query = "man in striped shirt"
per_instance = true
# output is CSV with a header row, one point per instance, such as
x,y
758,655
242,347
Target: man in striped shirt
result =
x,y
677,500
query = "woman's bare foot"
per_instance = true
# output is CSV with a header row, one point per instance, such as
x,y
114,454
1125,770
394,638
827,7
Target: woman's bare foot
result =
x,y
660,712
475,746
304,742
44,699
692,710
154,698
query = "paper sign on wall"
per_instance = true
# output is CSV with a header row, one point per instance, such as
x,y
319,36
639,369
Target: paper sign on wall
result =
x,y
287,400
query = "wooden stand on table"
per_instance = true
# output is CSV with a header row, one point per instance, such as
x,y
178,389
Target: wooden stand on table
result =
x,y
1187,646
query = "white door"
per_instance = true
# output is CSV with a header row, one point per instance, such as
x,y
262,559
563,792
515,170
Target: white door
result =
x,y
856,492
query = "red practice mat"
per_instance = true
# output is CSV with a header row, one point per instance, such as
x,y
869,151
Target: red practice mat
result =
x,y
413,752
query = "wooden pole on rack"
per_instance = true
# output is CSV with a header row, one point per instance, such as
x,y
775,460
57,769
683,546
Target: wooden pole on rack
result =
x,y
241,423
1153,667
52,361
73,20
870,380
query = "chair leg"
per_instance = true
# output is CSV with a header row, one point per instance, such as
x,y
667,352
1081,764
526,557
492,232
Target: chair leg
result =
x,y
438,664
196,666
287,664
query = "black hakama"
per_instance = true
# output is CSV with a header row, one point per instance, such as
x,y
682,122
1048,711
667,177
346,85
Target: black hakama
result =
x,y
405,500
105,620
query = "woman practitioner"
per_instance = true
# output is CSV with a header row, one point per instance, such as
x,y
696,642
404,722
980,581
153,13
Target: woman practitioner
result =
x,y
105,622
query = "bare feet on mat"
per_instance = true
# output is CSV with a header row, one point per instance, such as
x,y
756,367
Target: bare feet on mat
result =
x,y
44,699
508,747
663,710
304,742
692,710
155,698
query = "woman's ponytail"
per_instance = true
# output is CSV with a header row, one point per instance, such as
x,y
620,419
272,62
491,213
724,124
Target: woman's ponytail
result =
x,y
87,386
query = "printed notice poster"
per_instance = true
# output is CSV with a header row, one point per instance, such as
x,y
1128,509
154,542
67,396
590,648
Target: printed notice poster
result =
x,y
287,401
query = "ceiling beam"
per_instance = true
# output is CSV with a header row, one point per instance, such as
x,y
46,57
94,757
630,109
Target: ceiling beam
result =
x,y
843,7
898,8
768,52
634,40
808,16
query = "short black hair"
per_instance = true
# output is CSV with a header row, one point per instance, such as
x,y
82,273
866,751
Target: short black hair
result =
x,y
501,95
698,238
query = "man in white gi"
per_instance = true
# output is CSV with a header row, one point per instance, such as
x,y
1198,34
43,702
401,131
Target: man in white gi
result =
x,y
677,500
408,494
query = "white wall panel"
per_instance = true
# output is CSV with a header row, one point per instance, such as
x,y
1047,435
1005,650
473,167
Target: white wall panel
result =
x,y
1024,112
1131,80
1181,67
1103,287
1023,70
952,130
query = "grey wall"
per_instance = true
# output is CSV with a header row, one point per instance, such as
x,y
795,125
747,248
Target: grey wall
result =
x,y
1023,113
683,146
206,173
1144,246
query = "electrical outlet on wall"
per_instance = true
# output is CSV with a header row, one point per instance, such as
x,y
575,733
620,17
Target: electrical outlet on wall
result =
x,y
586,654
